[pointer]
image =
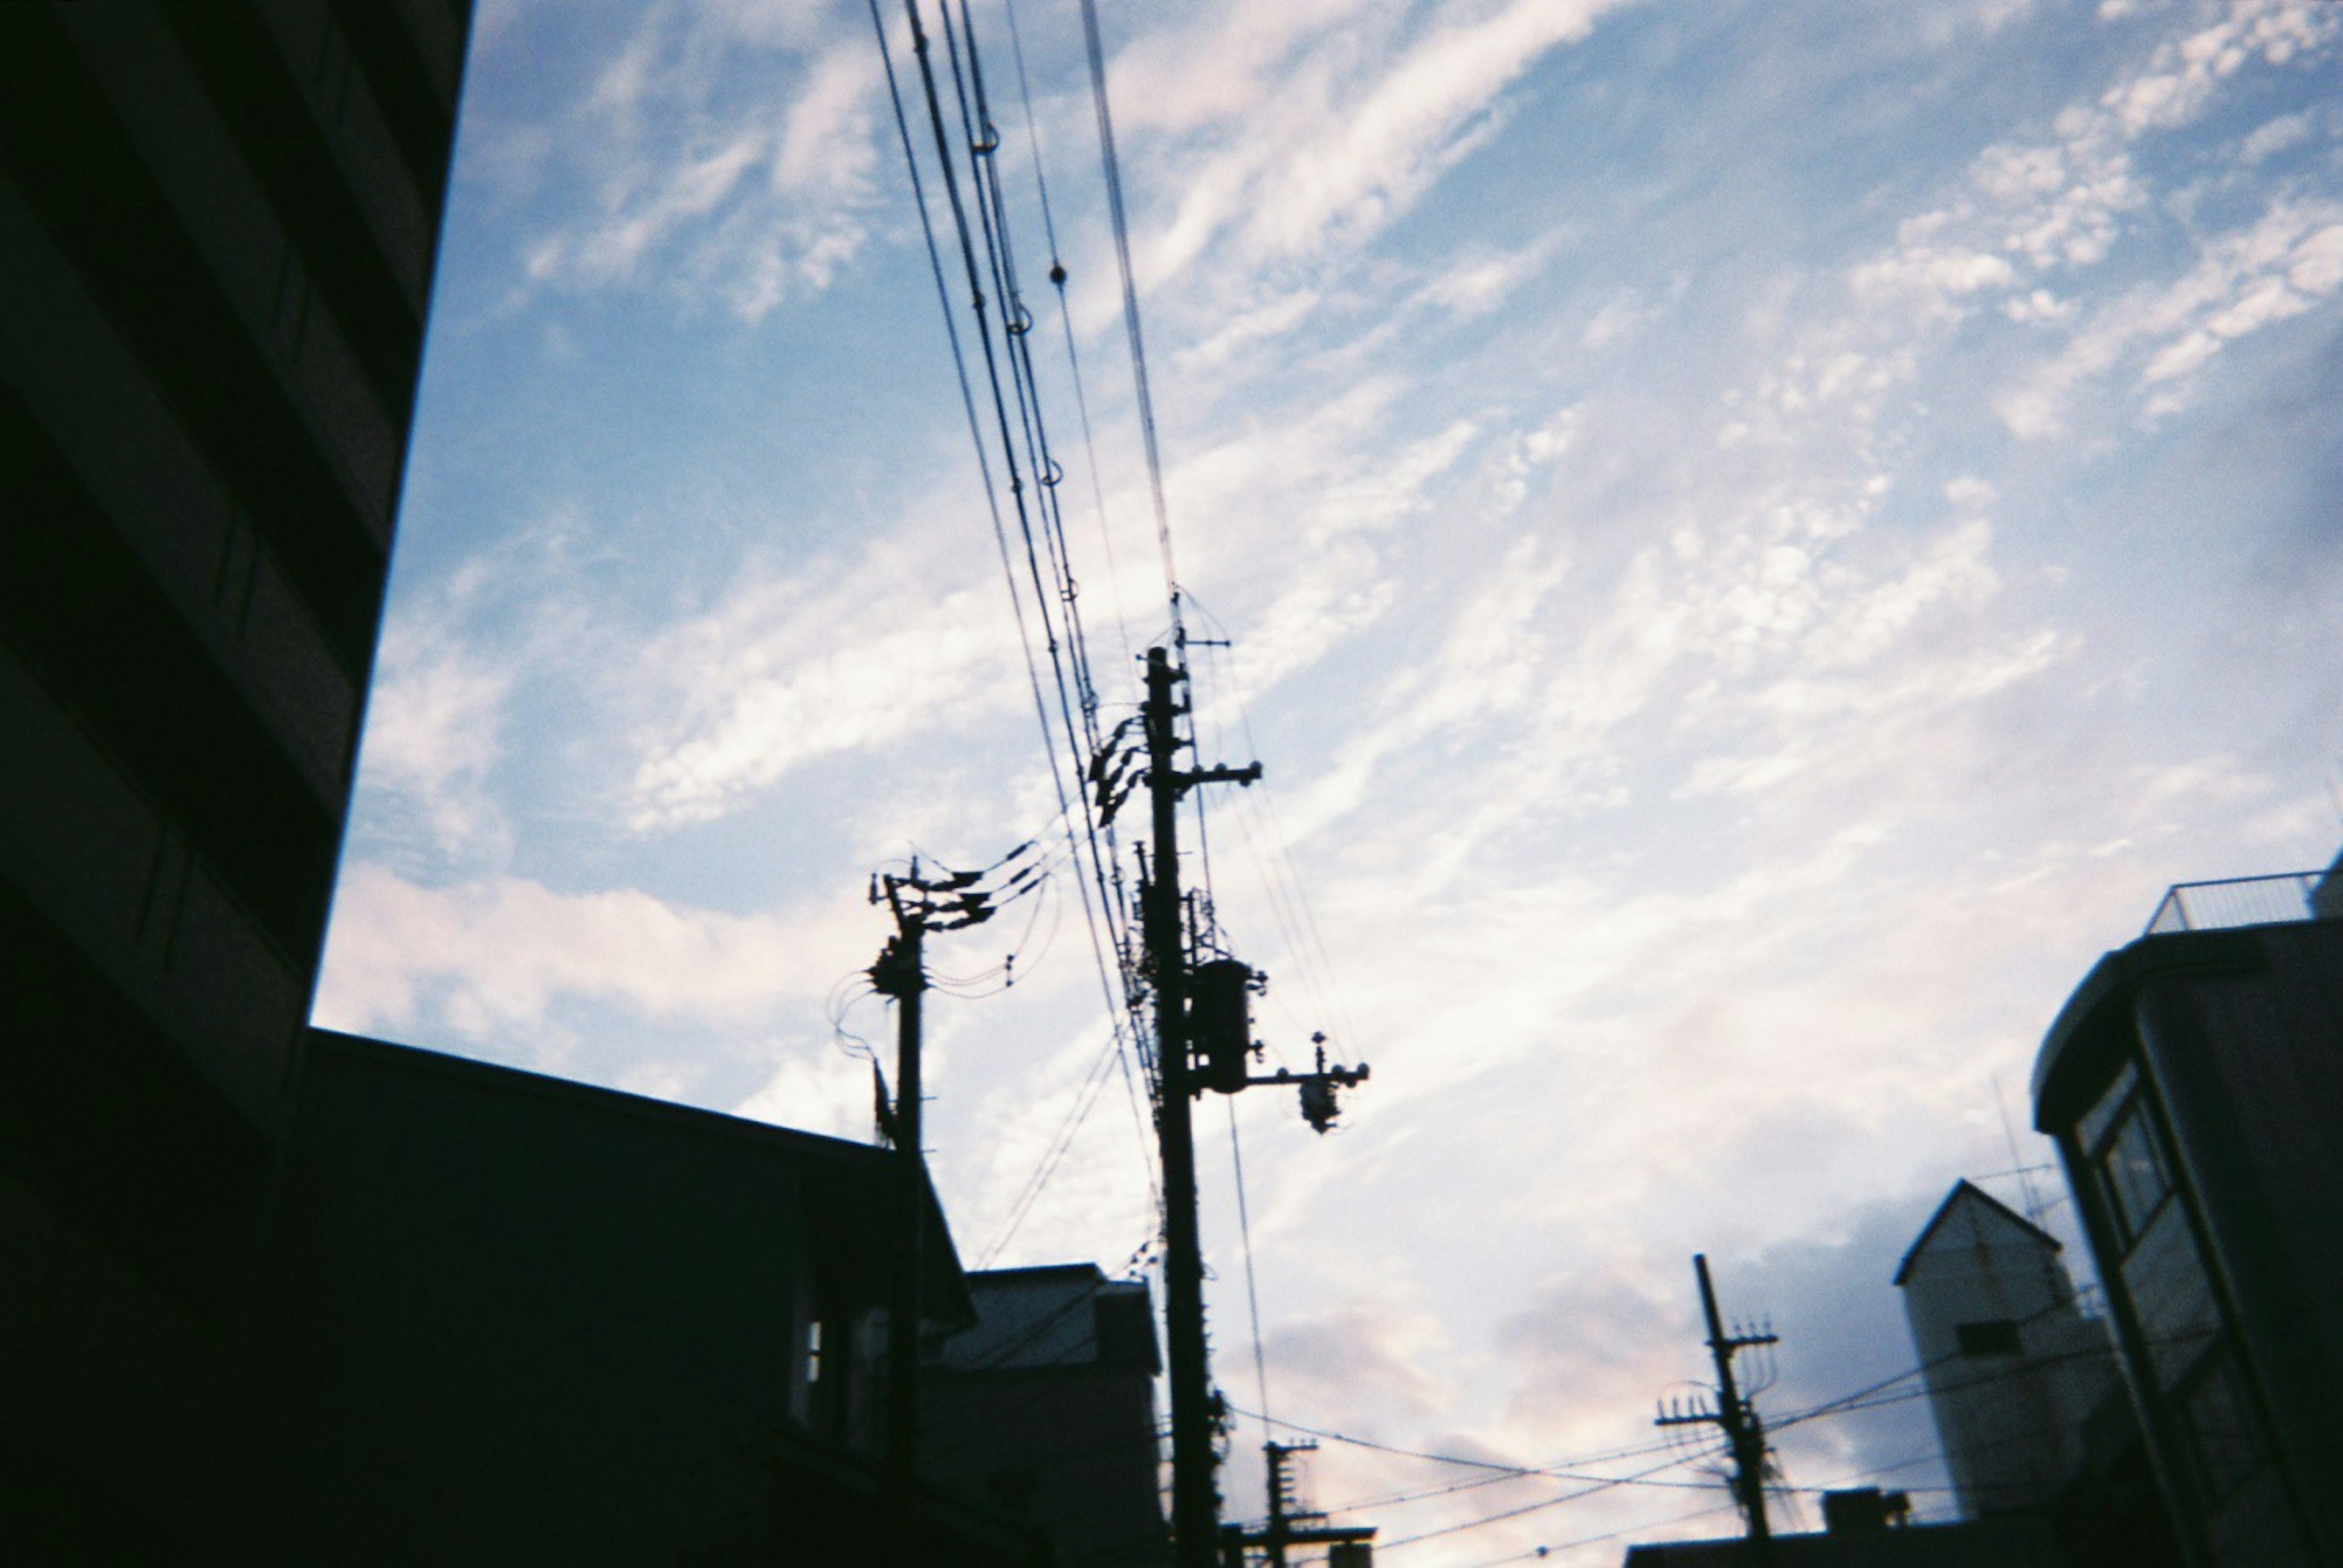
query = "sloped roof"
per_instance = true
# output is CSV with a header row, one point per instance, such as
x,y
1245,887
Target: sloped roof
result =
x,y
849,1188
1965,1187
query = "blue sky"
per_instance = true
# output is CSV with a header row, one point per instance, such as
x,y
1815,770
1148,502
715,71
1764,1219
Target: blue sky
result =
x,y
1756,538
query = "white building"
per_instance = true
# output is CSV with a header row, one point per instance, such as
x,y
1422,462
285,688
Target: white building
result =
x,y
2012,1366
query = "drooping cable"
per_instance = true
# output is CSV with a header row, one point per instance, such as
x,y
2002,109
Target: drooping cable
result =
x,y
1264,839
1122,225
1117,1004
1071,658
1252,1290
1104,864
1061,1142
1612,1483
1066,322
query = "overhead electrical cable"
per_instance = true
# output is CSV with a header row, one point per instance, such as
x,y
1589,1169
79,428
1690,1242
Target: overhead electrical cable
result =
x,y
1066,322
1145,398
1503,1471
1252,1290
1642,1477
983,140
1061,1142
1118,1005
1104,863
1268,844
1537,1552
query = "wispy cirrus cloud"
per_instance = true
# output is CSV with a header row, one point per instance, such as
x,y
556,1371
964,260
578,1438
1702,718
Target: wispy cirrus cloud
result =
x,y
781,672
725,157
2284,263
1314,141
1713,738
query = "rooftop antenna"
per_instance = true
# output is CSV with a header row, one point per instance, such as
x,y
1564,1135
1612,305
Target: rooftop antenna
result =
x,y
2037,1210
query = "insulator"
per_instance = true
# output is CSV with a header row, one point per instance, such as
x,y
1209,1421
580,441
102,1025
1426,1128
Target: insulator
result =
x,y
1220,1022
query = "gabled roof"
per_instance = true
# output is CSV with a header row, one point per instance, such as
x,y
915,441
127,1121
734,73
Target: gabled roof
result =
x,y
1965,1187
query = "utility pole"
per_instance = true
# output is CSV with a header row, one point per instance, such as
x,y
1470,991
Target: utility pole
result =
x,y
1195,1496
900,973
1289,1523
920,903
1736,1415
1218,1026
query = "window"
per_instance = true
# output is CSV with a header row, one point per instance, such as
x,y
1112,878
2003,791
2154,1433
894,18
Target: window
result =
x,y
2133,1172
2220,1427
1992,1337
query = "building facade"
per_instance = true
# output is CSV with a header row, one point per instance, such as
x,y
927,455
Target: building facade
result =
x,y
2013,1368
2194,1085
1047,1403
218,228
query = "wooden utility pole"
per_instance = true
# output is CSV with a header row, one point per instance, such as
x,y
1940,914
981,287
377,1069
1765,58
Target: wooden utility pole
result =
x,y
1736,1415
1221,1032
1289,1523
900,973
1195,1495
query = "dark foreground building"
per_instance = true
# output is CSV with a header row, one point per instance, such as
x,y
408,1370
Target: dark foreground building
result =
x,y
511,1319
2194,1084
1859,1535
270,1296
218,225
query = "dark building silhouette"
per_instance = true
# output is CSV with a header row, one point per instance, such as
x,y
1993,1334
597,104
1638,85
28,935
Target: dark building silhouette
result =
x,y
217,229
511,1319
1046,1404
2194,1084
1858,1534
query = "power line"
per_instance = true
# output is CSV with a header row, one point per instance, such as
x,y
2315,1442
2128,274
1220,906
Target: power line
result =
x,y
1101,866
1559,1469
1607,1484
1265,837
1066,323
1536,1552
1252,1292
1112,165
982,143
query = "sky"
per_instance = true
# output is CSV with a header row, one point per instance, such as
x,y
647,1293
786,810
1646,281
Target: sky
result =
x,y
1753,541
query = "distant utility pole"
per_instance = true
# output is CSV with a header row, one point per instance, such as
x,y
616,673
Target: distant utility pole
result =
x,y
1736,1415
1290,1524
901,973
1217,1030
948,901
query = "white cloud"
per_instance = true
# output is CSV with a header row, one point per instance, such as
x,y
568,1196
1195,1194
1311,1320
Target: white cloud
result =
x,y
1653,791
713,192
779,675
2285,263
494,955
433,735
1327,153
2275,136
2183,74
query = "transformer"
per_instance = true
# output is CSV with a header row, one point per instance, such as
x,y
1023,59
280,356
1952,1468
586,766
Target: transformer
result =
x,y
1220,1023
